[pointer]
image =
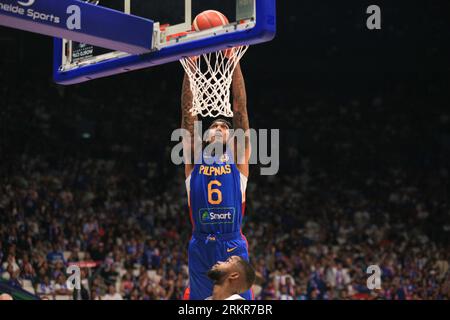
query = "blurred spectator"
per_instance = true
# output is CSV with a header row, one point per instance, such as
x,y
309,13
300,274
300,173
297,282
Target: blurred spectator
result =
x,y
362,183
112,294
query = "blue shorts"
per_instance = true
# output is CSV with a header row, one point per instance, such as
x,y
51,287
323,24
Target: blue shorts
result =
x,y
204,252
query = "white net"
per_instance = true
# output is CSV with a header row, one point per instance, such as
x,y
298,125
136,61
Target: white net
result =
x,y
210,77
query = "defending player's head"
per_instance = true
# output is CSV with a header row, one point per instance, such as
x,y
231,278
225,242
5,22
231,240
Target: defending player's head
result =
x,y
219,131
5,296
235,275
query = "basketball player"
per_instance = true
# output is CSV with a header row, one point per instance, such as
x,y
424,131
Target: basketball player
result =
x,y
5,296
231,278
216,192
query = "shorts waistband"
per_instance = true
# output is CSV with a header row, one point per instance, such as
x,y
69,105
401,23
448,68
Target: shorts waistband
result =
x,y
217,236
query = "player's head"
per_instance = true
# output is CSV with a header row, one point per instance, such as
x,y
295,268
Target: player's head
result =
x,y
219,131
5,296
235,272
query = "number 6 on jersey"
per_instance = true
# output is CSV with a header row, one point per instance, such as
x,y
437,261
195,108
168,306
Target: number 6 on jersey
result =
x,y
216,191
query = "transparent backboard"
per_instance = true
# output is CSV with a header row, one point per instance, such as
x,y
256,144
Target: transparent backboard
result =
x,y
173,17
172,27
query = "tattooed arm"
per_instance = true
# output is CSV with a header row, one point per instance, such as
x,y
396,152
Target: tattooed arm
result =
x,y
187,123
240,121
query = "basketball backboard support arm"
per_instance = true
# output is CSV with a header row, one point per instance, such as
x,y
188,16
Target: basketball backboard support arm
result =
x,y
186,24
257,26
80,21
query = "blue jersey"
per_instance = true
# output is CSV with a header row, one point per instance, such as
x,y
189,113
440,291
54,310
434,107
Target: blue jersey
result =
x,y
216,195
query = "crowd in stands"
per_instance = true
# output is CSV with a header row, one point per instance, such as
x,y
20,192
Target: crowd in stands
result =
x,y
361,183
313,229
311,239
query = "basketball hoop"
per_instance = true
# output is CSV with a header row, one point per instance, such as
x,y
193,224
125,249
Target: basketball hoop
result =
x,y
210,76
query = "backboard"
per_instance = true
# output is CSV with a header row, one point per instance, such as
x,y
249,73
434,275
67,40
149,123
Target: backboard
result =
x,y
251,22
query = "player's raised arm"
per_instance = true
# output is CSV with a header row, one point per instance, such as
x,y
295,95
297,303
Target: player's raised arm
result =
x,y
240,120
187,123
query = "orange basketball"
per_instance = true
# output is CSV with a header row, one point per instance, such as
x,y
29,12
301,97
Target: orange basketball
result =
x,y
209,19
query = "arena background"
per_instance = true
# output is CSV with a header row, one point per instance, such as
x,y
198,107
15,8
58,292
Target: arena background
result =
x,y
364,121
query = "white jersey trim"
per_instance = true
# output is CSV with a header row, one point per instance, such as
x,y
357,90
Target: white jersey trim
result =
x,y
188,188
233,297
244,181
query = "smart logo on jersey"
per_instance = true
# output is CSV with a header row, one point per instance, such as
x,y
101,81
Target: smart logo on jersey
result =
x,y
217,215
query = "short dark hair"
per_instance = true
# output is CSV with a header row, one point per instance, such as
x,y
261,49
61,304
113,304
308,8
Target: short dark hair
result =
x,y
249,273
228,123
